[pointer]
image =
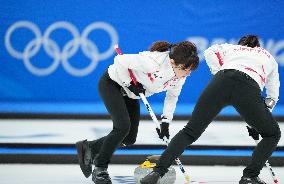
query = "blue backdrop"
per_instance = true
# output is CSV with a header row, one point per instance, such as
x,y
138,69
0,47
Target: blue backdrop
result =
x,y
52,53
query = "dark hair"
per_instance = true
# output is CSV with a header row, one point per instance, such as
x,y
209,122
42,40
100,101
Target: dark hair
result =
x,y
183,53
249,41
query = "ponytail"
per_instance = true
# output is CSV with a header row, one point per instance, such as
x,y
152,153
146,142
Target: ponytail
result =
x,y
160,46
249,41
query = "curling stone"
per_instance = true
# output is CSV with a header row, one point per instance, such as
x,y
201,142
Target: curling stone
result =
x,y
147,166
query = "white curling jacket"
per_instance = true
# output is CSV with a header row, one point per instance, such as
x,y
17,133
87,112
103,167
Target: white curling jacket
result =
x,y
154,71
256,62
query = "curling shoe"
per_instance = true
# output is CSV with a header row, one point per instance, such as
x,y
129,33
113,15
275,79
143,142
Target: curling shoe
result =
x,y
84,157
247,180
101,176
152,178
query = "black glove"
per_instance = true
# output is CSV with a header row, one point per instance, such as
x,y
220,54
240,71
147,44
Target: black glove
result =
x,y
136,89
163,131
270,103
253,133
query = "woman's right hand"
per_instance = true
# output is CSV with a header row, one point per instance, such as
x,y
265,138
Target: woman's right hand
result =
x,y
163,131
136,89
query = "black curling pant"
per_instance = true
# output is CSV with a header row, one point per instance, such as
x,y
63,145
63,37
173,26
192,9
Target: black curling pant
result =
x,y
125,115
228,87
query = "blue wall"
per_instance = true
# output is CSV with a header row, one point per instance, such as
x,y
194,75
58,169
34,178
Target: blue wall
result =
x,y
52,53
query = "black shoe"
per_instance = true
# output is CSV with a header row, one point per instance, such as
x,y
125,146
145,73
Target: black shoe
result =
x,y
247,180
101,176
152,178
84,157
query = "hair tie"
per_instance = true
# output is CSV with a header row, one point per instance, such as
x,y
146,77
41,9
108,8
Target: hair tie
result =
x,y
171,48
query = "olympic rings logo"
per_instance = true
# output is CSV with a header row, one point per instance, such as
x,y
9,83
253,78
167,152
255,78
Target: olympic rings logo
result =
x,y
52,49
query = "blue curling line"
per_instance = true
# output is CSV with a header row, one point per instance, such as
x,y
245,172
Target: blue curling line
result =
x,y
72,151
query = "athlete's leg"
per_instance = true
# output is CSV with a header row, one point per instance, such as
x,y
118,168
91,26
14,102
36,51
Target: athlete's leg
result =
x,y
115,103
250,104
212,100
96,145
133,107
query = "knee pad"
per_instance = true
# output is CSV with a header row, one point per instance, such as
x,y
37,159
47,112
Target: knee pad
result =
x,y
274,133
192,134
123,131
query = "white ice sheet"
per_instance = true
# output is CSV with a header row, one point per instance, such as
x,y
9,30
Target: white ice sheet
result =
x,y
220,133
120,174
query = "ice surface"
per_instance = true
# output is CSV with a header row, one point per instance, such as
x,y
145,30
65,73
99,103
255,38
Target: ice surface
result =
x,y
120,174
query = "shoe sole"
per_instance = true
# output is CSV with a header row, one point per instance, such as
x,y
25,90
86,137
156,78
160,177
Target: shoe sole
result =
x,y
101,182
86,170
